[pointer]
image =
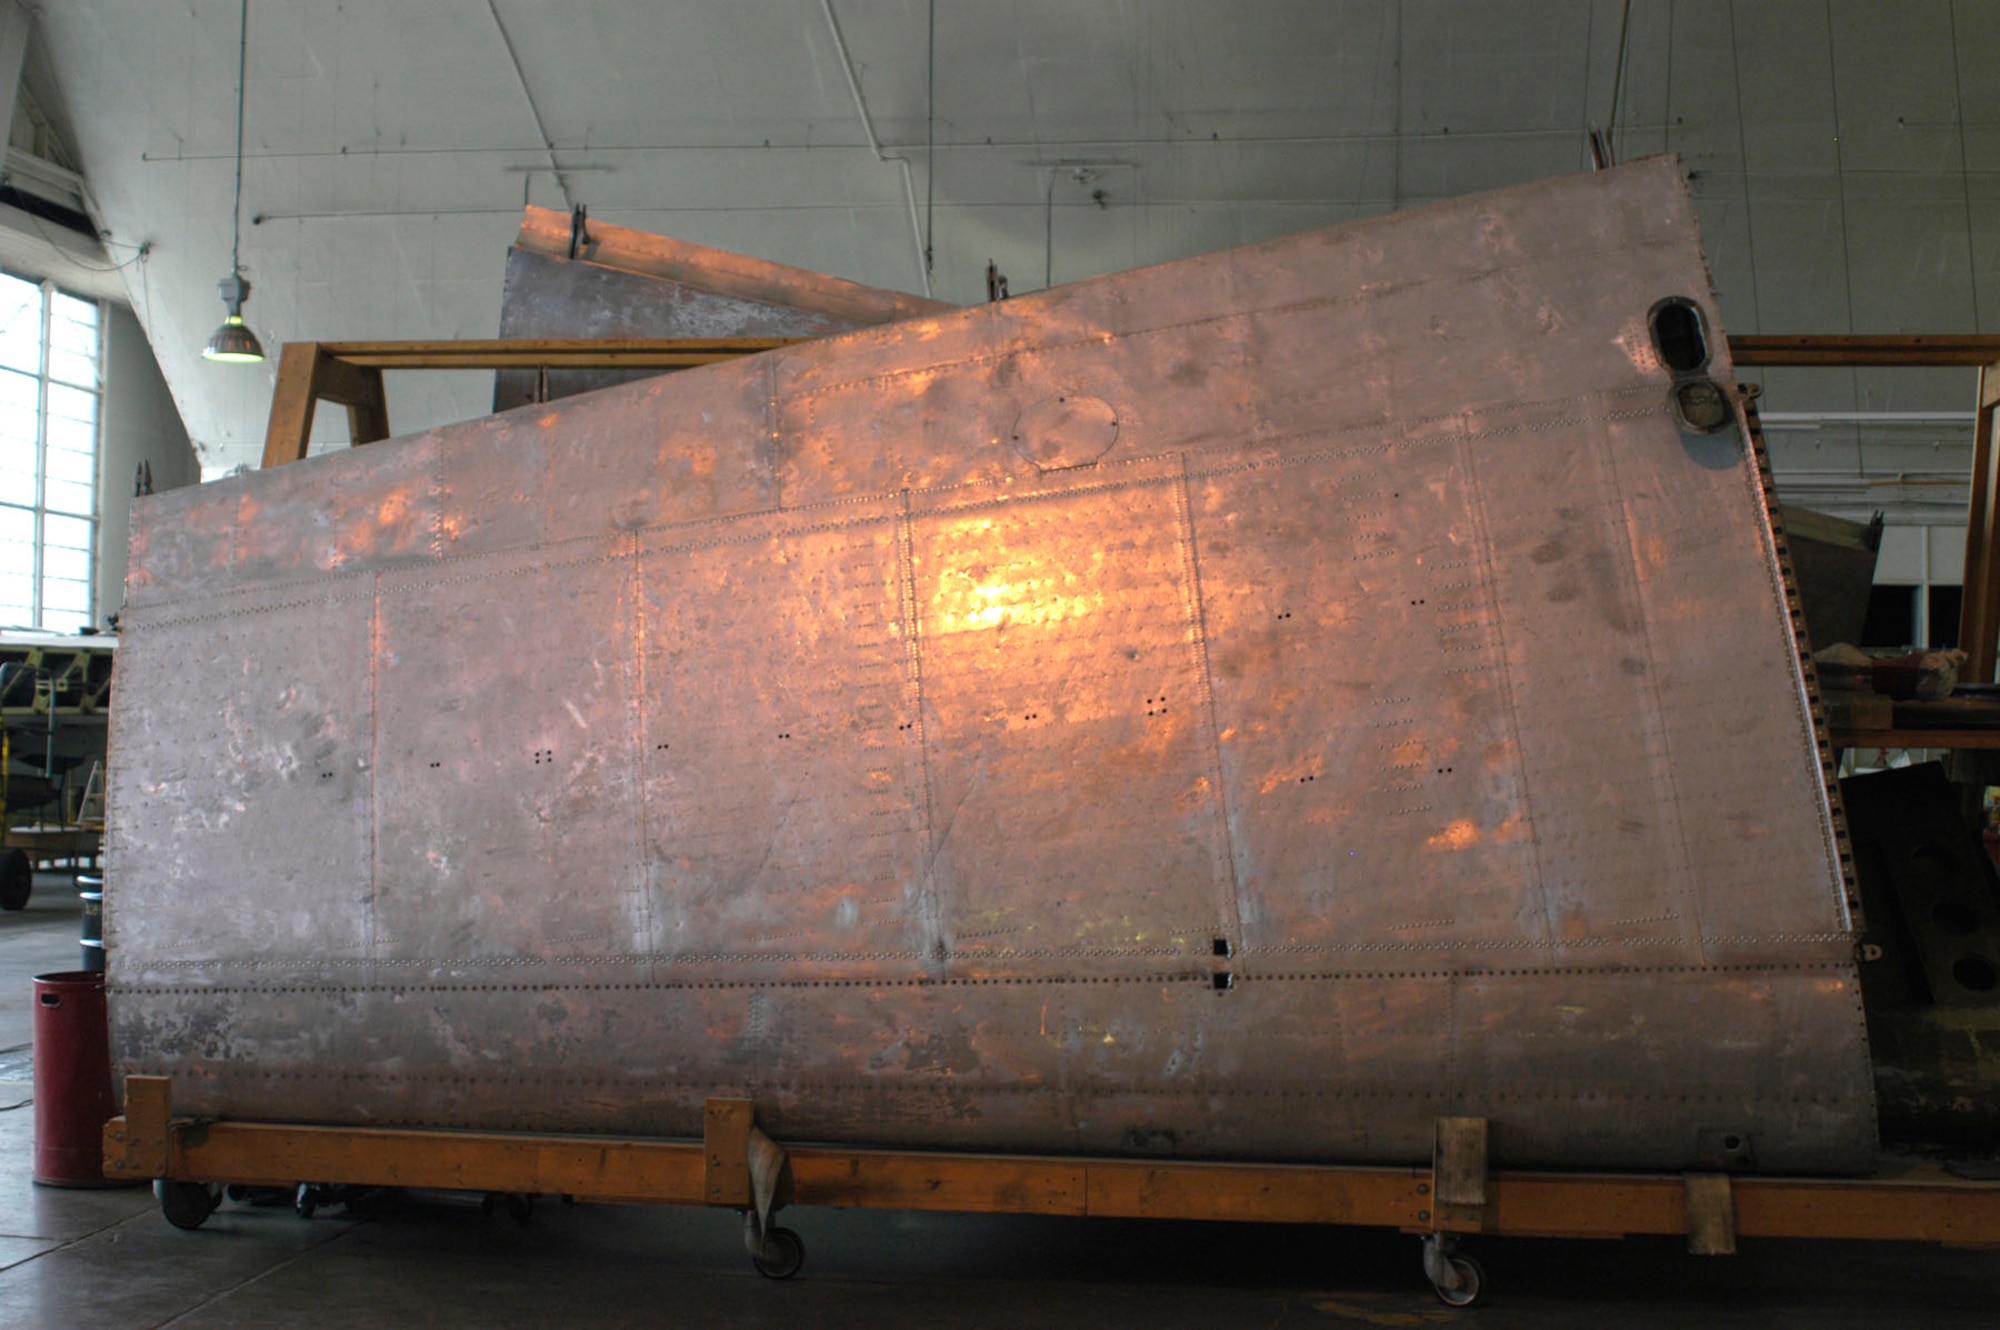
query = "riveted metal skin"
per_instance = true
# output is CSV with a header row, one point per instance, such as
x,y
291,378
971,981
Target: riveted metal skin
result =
x,y
1395,716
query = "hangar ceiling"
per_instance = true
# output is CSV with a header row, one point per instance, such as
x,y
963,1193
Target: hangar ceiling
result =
x,y
1845,155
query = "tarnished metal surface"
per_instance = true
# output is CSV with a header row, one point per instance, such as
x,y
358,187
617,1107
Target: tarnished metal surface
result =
x,y
1377,709
626,283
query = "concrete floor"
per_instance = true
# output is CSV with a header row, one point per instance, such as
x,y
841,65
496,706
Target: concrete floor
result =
x,y
107,1261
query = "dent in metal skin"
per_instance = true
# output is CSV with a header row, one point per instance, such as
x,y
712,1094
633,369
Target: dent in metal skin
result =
x,y
1397,716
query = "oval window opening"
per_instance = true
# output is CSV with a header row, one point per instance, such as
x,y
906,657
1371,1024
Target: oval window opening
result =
x,y
1678,335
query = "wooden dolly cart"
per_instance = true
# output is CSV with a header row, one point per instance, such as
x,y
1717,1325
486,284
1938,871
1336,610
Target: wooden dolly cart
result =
x,y
736,1166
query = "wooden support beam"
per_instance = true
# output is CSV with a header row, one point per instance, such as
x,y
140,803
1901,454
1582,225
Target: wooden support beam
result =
x,y
1711,1207
1921,1204
350,373
139,1142
1941,739
1844,350
553,352
1979,613
1458,1175
725,1150
1261,1193
289,430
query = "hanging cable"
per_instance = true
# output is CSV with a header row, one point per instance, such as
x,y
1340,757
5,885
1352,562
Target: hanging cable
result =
x,y
930,142
236,212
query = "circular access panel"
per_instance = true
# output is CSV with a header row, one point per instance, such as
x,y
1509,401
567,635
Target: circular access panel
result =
x,y
1065,431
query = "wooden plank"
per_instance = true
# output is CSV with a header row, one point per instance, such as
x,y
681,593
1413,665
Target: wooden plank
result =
x,y
272,1154
289,432
339,380
1458,1175
1260,1193
561,352
368,419
1912,349
725,1151
1953,1212
1925,1206
1979,614
138,1143
1942,739
1585,1205
354,352
980,1184
1711,1209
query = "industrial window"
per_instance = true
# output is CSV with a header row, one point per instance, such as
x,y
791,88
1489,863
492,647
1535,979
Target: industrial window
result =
x,y
50,400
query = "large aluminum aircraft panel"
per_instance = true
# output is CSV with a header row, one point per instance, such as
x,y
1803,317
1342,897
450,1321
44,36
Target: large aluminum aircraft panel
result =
x,y
1248,707
611,281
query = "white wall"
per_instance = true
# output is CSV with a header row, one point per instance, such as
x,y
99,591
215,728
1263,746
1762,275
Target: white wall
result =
x,y
141,423
1845,153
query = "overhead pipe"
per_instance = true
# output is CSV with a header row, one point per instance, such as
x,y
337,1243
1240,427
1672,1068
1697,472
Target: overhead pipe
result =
x,y
875,144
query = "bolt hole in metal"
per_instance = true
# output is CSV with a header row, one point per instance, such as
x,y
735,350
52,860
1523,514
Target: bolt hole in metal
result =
x,y
1975,973
1222,947
1224,981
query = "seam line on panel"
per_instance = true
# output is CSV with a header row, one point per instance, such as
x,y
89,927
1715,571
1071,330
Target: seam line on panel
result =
x,y
1195,609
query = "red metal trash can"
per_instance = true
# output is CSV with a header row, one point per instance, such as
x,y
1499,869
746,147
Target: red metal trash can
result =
x,y
73,1097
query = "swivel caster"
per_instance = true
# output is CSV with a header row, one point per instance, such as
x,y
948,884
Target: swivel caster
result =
x,y
776,1252
520,1208
312,1195
1459,1281
186,1204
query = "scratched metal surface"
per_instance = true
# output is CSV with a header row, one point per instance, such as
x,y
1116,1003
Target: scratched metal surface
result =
x,y
550,296
898,729
617,282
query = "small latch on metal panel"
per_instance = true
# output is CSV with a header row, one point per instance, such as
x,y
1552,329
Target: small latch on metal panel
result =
x,y
1458,1175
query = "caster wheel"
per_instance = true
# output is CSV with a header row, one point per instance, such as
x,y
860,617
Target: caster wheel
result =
x,y
520,1208
305,1201
185,1204
781,1254
17,880
236,1192
1471,1283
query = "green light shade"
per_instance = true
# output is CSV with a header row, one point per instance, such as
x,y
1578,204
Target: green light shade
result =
x,y
233,344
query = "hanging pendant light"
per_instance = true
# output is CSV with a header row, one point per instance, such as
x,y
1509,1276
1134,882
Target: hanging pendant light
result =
x,y
234,343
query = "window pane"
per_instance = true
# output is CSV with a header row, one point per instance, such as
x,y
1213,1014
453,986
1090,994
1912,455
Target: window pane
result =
x,y
71,564
14,603
74,435
20,399
62,593
55,621
69,533
73,341
17,473
73,323
67,496
72,404
20,324
65,464
16,527
69,367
